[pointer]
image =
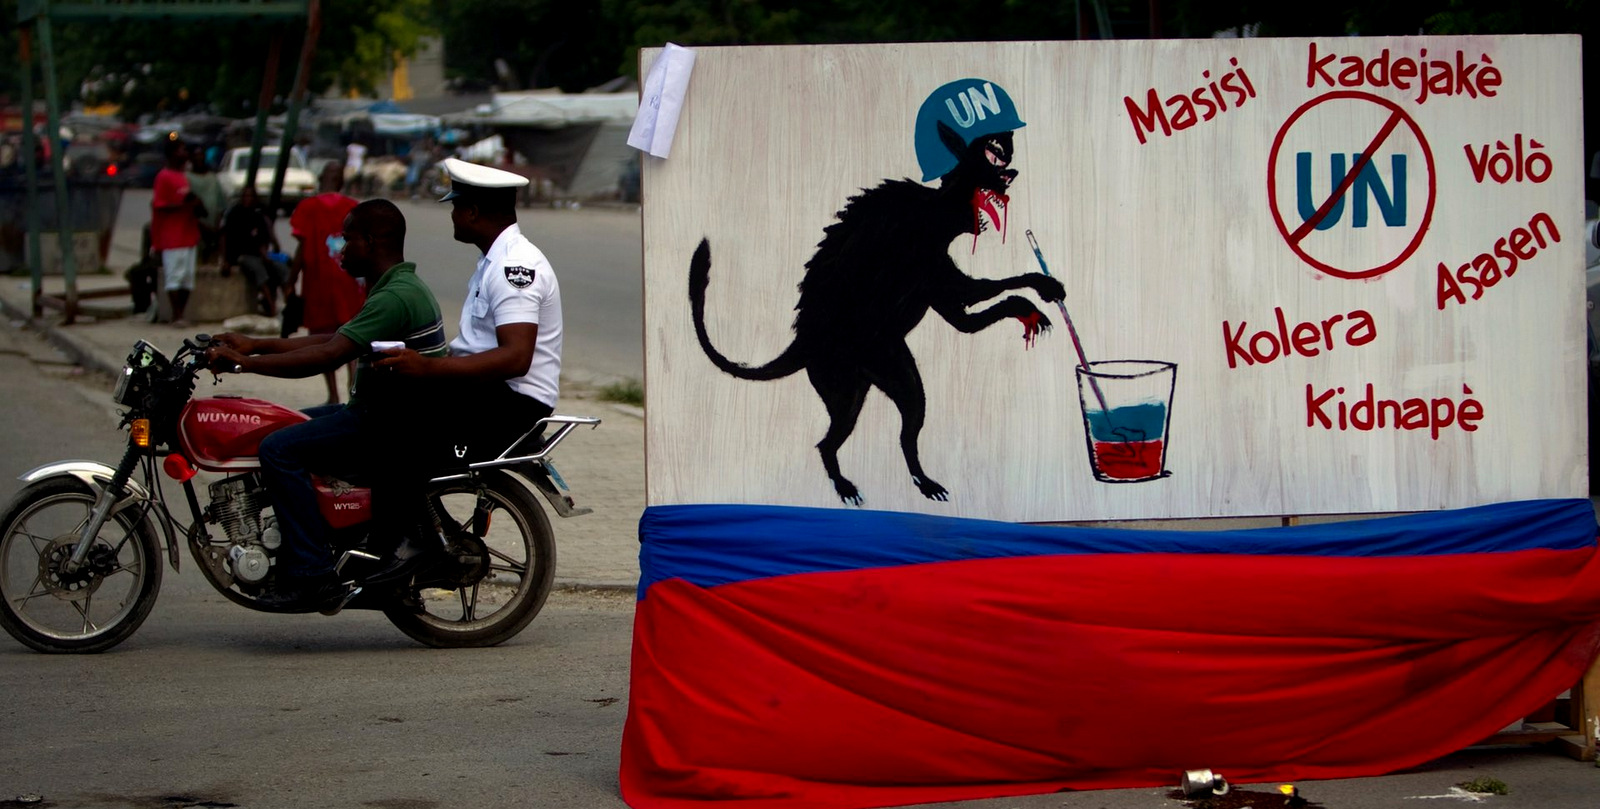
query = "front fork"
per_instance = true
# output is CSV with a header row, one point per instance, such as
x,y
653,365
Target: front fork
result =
x,y
109,497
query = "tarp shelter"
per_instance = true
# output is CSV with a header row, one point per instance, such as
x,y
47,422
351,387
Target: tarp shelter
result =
x,y
403,125
383,119
578,141
329,122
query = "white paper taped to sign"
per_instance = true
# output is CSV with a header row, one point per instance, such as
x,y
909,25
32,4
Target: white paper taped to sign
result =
x,y
664,88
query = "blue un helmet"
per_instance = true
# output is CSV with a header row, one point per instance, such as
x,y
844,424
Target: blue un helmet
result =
x,y
971,108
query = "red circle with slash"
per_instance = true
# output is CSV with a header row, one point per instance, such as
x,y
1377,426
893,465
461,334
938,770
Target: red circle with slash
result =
x,y
1295,236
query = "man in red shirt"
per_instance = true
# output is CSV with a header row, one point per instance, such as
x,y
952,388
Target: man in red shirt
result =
x,y
175,227
330,295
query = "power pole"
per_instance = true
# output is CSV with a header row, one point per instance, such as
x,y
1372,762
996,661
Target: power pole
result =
x,y
297,97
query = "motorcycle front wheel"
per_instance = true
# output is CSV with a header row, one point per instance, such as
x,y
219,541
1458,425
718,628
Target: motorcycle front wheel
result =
x,y
92,608
491,605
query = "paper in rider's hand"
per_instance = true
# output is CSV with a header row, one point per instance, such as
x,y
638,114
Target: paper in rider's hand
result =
x,y
387,345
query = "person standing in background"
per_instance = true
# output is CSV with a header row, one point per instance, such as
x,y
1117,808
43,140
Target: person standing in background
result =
x,y
355,156
175,214
301,152
330,295
203,182
417,163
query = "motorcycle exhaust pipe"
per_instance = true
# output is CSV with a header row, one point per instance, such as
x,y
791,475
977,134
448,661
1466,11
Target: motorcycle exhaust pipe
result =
x,y
348,556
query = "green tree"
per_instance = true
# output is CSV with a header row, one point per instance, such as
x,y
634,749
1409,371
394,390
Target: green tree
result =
x,y
360,39
217,65
540,43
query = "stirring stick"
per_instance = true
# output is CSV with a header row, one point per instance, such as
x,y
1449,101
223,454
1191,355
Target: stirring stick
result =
x,y
1061,306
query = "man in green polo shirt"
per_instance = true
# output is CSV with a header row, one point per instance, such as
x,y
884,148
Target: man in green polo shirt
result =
x,y
360,437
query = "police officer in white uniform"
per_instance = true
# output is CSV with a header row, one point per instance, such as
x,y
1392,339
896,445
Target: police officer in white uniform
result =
x,y
503,372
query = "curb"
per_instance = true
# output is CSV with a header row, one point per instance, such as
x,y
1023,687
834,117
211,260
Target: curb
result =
x,y
571,586
81,354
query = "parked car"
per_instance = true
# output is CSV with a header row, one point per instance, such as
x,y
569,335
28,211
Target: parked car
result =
x,y
298,181
90,160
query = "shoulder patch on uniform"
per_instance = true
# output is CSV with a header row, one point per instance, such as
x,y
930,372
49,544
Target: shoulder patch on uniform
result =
x,y
520,277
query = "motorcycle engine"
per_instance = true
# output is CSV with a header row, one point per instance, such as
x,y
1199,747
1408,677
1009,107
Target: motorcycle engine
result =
x,y
236,505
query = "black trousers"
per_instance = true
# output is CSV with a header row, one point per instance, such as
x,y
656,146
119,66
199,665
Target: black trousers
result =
x,y
262,271
444,426
482,420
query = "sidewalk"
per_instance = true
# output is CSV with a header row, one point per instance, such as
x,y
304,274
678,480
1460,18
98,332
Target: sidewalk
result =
x,y
604,466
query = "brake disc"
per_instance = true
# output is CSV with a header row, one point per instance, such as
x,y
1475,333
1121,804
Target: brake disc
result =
x,y
78,584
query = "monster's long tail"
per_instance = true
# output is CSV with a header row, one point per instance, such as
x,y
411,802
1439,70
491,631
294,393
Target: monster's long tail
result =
x,y
787,363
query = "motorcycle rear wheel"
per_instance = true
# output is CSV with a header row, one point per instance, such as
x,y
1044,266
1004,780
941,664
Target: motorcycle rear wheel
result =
x,y
522,569
93,609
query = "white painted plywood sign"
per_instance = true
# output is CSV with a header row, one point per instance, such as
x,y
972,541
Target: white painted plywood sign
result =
x,y
1301,276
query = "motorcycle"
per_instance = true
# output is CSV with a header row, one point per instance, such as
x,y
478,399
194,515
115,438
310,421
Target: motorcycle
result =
x,y
81,543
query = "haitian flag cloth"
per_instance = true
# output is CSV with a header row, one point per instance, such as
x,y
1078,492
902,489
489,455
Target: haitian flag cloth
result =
x,y
791,657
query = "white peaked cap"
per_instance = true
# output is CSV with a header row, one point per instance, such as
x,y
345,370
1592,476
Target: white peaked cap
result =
x,y
462,174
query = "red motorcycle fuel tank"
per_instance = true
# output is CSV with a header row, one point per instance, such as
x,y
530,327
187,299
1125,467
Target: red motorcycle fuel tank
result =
x,y
224,433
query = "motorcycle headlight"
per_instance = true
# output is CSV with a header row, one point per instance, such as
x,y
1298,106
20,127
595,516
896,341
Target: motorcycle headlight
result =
x,y
120,394
145,362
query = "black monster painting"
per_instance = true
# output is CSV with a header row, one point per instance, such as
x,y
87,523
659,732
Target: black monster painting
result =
x,y
886,262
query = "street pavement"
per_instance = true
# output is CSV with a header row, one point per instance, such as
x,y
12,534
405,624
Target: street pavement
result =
x,y
604,466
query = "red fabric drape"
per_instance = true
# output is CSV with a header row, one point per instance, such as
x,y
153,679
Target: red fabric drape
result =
x,y
993,677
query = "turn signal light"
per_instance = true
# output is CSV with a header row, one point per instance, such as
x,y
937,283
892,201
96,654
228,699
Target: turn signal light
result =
x,y
141,433
177,467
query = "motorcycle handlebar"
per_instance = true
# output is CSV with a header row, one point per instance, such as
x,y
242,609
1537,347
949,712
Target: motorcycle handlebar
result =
x,y
194,352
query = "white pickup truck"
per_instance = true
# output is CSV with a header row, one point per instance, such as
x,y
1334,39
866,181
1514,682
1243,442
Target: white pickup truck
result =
x,y
298,182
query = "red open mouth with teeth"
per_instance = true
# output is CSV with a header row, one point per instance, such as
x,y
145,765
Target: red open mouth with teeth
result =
x,y
993,202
